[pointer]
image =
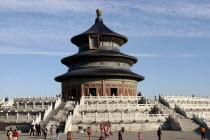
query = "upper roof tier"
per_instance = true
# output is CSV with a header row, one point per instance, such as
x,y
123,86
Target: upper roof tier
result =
x,y
100,29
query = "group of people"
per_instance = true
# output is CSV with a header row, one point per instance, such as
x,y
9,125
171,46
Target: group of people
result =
x,y
35,130
159,133
12,134
38,130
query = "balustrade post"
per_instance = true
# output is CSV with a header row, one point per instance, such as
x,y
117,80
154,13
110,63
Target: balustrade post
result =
x,y
42,105
83,117
147,115
34,98
127,105
28,116
25,106
17,105
7,116
121,116
106,106
17,117
117,105
134,115
121,97
108,116
33,106
158,115
137,105
87,106
97,97
90,98
96,106
95,116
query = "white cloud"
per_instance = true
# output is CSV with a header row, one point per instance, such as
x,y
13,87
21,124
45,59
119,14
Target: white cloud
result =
x,y
144,55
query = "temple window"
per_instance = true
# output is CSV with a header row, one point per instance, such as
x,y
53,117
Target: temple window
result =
x,y
94,42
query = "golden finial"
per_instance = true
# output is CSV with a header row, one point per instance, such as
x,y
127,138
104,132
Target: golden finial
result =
x,y
98,11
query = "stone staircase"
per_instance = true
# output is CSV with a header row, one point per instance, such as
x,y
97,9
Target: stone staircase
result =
x,y
185,123
59,113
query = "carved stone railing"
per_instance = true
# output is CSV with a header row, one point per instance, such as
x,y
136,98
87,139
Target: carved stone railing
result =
x,y
57,102
47,111
118,117
113,107
110,99
175,123
181,111
200,121
164,101
68,125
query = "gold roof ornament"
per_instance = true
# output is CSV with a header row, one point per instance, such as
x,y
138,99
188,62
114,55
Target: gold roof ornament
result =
x,y
99,11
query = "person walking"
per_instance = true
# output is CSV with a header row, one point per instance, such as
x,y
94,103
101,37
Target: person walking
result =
x,y
10,134
51,131
58,132
120,135
15,134
45,132
139,136
159,133
203,130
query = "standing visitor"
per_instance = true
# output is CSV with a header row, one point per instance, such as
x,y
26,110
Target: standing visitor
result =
x,y
120,135
58,132
39,130
139,136
10,134
32,130
159,133
51,131
45,132
203,130
15,135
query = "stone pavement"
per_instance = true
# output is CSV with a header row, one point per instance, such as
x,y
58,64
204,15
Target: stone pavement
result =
x,y
147,135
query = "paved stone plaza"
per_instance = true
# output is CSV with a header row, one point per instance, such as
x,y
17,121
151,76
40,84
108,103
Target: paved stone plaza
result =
x,y
147,135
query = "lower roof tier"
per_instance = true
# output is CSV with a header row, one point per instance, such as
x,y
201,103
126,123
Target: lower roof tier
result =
x,y
99,55
99,73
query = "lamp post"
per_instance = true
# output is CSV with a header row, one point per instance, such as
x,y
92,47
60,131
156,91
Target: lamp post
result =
x,y
101,128
89,131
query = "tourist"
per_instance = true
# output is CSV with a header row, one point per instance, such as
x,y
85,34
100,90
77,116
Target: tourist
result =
x,y
139,136
203,132
120,135
159,133
51,131
58,132
15,135
36,127
105,130
39,130
10,134
32,130
45,132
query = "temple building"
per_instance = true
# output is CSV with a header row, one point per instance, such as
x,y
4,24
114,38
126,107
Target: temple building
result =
x,y
99,68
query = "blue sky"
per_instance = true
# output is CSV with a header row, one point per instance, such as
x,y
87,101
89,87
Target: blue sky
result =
x,y
171,39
